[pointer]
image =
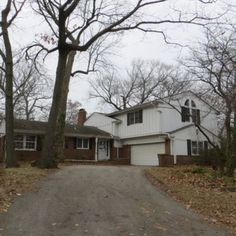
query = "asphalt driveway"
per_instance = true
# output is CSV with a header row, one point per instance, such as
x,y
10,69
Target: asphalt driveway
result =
x,y
100,200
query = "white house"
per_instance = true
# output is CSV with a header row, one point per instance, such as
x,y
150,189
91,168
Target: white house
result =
x,y
160,127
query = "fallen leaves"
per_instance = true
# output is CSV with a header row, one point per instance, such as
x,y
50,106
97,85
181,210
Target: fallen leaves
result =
x,y
200,189
15,181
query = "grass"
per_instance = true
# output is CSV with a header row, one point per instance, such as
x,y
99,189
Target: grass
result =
x,y
200,189
16,181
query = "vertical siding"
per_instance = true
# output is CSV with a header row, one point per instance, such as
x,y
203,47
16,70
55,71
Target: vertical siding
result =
x,y
171,118
149,126
100,121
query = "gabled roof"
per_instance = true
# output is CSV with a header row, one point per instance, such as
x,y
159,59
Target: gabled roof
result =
x,y
154,103
39,127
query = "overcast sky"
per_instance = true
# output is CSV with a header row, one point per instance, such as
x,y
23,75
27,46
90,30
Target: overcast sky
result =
x,y
133,45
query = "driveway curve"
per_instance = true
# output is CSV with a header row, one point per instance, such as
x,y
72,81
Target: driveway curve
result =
x,y
101,200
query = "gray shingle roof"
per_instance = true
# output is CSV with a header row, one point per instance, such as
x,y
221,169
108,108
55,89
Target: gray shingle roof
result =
x,y
70,130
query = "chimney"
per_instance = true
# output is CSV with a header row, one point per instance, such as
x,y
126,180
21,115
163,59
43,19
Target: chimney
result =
x,y
81,116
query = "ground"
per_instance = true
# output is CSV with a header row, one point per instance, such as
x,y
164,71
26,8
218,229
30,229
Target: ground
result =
x,y
201,189
101,200
15,181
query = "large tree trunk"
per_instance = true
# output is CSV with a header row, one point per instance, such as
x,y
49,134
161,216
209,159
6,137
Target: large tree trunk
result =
x,y
53,145
10,157
229,145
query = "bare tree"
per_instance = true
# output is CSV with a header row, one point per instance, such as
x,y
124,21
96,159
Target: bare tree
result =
x,y
32,89
8,15
76,26
146,80
72,111
213,63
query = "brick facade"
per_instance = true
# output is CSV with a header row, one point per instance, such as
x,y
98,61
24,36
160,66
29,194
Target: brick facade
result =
x,y
79,154
184,160
166,160
71,152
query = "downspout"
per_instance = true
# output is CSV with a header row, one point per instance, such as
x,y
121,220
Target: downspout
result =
x,y
96,149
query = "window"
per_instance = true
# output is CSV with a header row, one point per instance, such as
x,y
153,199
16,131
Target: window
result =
x,y
19,142
196,147
185,114
189,110
196,116
25,142
82,143
135,117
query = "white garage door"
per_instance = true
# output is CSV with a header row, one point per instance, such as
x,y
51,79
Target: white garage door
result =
x,y
146,154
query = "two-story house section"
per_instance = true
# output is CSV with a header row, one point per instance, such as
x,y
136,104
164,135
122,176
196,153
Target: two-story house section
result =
x,y
167,126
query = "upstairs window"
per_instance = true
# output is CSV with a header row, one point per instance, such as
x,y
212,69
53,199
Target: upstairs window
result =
x,y
189,112
135,117
185,114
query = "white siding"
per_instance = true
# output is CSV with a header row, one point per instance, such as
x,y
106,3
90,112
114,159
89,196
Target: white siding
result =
x,y
144,140
149,126
102,122
180,139
171,118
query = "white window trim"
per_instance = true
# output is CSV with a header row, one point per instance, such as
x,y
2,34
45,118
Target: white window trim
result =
x,y
24,144
192,154
82,143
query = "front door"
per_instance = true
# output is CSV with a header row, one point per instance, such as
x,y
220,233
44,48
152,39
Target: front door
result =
x,y
103,149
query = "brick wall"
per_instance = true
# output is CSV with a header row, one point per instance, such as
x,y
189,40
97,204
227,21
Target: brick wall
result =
x,y
79,154
27,155
125,152
184,160
70,152
165,160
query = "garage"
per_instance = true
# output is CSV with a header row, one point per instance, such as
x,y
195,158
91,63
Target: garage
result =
x,y
146,154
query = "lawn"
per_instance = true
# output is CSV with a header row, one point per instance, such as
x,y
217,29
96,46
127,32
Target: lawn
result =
x,y
16,181
200,189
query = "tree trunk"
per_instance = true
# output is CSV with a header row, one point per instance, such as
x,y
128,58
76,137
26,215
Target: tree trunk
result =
x,y
229,147
53,146
10,157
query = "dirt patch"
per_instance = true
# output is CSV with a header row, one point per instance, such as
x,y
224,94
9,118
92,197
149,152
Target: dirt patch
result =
x,y
200,189
16,181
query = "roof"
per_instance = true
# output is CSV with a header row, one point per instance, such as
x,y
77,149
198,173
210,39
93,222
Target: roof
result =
x,y
136,107
156,102
191,125
181,128
70,130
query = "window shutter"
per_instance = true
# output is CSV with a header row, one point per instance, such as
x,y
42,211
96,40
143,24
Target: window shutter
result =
x,y
182,114
198,121
194,116
128,119
75,143
141,116
205,145
39,143
91,143
189,151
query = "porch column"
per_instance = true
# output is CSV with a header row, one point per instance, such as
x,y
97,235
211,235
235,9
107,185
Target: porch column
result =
x,y
96,149
117,153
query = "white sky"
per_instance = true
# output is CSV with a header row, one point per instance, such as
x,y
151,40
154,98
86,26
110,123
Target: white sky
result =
x,y
134,45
